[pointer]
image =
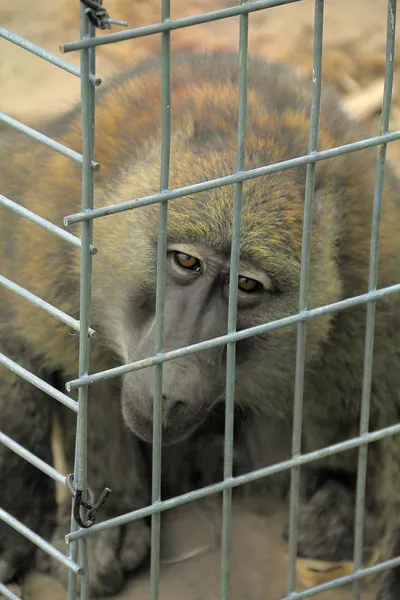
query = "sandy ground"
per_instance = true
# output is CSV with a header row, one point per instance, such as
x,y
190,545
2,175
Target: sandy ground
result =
x,y
259,565
30,88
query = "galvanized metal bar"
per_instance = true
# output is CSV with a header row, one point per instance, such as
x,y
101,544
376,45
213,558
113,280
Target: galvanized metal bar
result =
x,y
237,336
232,308
38,540
73,556
371,306
160,300
239,480
88,110
55,312
46,141
6,593
37,382
48,56
173,24
31,216
86,263
84,562
31,458
345,580
234,178
303,294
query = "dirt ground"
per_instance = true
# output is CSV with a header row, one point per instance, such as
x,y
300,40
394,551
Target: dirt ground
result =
x,y
354,54
258,572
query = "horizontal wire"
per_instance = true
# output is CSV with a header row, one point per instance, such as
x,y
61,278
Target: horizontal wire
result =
x,y
31,458
236,336
344,580
41,53
37,382
39,541
7,593
238,480
55,312
48,225
173,24
45,140
211,184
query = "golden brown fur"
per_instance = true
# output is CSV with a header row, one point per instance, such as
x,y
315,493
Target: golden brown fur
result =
x,y
203,146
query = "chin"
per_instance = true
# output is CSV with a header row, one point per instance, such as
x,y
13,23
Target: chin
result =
x,y
171,434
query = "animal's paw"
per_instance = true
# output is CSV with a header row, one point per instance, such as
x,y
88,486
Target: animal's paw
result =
x,y
112,555
326,525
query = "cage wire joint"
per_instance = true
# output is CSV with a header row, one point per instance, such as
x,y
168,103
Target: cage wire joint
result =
x,y
91,506
99,16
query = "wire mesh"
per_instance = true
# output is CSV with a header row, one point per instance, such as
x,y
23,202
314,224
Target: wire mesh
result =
x,y
77,538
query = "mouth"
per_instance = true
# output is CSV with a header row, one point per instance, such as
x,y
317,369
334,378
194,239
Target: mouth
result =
x,y
172,433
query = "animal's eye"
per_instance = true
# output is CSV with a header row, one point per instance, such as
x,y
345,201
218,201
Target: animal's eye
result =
x,y
185,261
248,285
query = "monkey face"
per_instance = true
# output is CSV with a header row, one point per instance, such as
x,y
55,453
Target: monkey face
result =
x,y
196,309
199,238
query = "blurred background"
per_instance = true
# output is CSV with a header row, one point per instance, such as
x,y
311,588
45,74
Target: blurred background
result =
x,y
353,61
354,47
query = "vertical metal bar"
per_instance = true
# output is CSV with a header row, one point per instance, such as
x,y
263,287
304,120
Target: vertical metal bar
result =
x,y
87,101
84,563
73,555
232,308
303,294
160,300
371,305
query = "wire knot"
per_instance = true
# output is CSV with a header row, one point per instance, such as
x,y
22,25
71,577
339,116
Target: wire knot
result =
x,y
91,506
99,16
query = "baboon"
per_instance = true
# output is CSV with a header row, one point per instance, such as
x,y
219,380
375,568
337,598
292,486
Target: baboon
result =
x,y
204,109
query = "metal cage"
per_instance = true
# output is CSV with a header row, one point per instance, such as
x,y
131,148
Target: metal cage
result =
x,y
78,536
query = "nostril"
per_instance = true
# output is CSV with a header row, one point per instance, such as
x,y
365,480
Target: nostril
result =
x,y
179,405
174,410
177,410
